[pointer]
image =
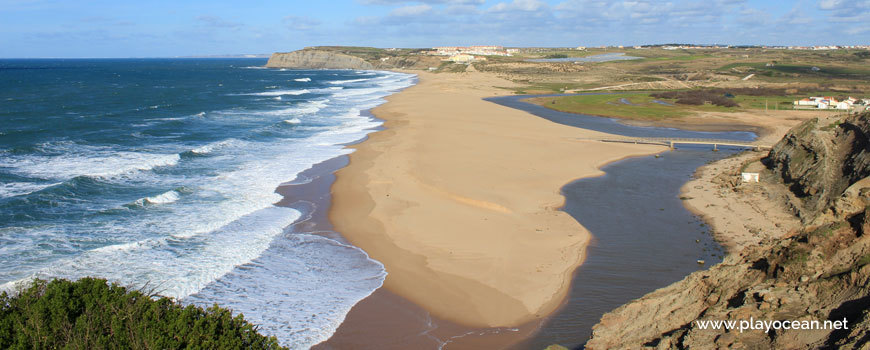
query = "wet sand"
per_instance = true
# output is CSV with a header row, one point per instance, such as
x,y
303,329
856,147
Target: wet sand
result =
x,y
459,198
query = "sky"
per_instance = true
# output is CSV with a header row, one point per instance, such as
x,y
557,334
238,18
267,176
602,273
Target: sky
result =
x,y
160,28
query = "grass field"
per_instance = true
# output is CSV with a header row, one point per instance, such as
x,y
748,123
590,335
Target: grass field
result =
x,y
641,106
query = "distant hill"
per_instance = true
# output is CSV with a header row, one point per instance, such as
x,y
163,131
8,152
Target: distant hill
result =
x,y
352,57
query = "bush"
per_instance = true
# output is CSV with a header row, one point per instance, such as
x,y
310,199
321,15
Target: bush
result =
x,y
699,97
90,313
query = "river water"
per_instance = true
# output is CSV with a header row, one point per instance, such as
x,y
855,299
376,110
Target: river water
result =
x,y
643,236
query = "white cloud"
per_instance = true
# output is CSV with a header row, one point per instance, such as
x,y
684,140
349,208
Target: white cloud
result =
x,y
519,5
411,10
217,22
830,4
401,2
300,23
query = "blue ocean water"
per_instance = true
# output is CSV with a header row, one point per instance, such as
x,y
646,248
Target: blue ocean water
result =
x,y
162,172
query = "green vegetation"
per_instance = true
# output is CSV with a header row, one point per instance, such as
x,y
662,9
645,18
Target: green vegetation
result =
x,y
675,103
548,88
798,70
625,105
91,314
831,126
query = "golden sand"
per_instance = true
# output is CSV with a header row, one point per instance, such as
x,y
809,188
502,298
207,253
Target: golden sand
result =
x,y
459,198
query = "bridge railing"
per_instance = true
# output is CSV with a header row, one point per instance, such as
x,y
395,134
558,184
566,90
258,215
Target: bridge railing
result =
x,y
670,141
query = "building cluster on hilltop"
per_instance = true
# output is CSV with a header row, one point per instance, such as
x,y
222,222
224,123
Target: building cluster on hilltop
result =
x,y
466,54
483,50
828,102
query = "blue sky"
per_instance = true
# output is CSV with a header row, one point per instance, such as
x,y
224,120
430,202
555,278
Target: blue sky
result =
x,y
48,28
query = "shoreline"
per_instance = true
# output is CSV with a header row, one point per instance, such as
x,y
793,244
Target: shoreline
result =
x,y
768,126
474,300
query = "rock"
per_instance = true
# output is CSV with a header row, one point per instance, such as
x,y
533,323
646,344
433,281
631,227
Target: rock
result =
x,y
819,162
820,271
316,59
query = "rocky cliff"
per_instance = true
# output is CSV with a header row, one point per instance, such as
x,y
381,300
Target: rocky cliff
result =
x,y
316,59
818,161
819,272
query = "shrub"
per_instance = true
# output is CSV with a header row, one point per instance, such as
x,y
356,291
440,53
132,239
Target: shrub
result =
x,y
699,97
91,314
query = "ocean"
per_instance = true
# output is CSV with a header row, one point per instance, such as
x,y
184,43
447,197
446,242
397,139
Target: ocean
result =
x,y
160,174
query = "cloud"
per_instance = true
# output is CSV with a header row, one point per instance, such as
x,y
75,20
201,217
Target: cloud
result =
x,y
411,10
519,5
830,4
217,22
846,10
300,23
432,2
858,30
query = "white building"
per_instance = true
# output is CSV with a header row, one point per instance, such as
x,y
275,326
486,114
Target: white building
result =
x,y
749,177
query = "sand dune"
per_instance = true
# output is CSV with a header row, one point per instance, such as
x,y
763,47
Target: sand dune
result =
x,y
459,199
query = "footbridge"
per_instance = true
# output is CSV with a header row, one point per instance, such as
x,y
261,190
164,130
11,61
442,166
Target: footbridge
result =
x,y
673,141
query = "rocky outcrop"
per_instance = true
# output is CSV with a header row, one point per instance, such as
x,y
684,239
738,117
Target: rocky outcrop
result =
x,y
316,59
820,272
819,160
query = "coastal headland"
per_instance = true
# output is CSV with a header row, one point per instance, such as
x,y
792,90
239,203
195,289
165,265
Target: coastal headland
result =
x,y
459,198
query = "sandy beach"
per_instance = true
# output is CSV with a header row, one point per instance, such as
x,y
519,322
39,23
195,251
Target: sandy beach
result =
x,y
459,199
743,214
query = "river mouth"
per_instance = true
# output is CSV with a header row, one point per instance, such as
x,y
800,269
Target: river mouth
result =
x,y
643,236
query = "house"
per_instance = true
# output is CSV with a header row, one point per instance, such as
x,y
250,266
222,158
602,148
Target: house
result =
x,y
844,105
749,177
462,58
806,102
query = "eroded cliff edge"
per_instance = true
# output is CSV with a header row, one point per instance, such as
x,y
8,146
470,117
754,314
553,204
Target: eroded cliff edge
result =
x,y
820,271
316,59
352,57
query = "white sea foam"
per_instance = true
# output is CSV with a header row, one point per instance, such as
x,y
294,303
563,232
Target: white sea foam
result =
x,y
280,92
214,146
87,161
290,275
12,189
178,266
341,82
303,79
163,198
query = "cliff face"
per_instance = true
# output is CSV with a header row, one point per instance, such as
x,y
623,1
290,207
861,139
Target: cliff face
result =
x,y
316,59
820,272
818,160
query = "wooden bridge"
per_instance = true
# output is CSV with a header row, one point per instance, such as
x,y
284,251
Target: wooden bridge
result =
x,y
672,141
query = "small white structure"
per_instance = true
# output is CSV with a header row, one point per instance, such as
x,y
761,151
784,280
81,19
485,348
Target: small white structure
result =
x,y
461,58
749,177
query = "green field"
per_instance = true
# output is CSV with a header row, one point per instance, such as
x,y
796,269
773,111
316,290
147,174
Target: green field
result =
x,y
640,106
